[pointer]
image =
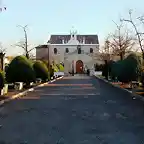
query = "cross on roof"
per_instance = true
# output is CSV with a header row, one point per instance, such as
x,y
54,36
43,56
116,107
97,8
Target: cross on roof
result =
x,y
73,31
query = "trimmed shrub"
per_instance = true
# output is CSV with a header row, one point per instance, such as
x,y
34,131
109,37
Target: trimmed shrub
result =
x,y
51,71
2,79
6,67
20,70
61,68
105,70
98,67
129,69
62,64
45,61
112,67
142,78
55,68
41,70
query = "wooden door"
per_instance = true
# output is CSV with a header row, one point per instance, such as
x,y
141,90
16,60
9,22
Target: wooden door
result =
x,y
79,67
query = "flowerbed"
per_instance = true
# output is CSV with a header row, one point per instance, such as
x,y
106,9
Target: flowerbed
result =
x,y
137,90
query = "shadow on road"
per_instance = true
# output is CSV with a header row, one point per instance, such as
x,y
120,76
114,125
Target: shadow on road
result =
x,y
74,111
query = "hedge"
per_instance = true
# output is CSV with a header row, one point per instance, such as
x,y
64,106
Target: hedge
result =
x,y
126,70
61,68
20,70
2,79
41,70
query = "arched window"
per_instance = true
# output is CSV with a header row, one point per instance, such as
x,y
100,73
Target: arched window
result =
x,y
91,50
55,50
67,50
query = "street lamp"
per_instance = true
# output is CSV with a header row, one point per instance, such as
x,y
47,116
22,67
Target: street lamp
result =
x,y
48,44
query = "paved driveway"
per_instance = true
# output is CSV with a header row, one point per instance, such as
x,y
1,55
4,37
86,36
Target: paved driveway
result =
x,y
74,110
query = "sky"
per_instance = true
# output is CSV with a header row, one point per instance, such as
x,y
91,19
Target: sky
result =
x,y
45,17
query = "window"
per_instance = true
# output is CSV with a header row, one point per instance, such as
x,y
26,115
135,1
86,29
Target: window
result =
x,y
55,50
91,50
67,50
79,49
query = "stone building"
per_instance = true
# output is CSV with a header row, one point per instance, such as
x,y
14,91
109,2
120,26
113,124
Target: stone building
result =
x,y
75,51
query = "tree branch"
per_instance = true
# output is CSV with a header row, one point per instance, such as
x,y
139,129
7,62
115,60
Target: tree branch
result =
x,y
25,44
31,49
120,41
130,20
2,49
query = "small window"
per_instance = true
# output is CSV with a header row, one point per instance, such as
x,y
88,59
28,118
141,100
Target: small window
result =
x,y
91,50
67,50
79,50
55,50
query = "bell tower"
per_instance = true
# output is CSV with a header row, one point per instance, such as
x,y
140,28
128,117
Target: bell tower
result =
x,y
73,34
73,37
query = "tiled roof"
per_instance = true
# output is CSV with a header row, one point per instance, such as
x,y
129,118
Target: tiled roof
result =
x,y
89,39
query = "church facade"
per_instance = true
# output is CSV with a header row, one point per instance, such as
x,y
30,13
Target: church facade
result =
x,y
77,52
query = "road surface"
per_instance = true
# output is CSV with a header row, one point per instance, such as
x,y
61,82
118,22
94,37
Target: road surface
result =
x,y
74,110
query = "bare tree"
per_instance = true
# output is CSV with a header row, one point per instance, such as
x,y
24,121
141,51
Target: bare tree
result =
x,y
105,54
24,44
138,34
121,41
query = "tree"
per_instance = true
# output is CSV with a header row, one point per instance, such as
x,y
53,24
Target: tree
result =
x,y
105,54
24,44
2,79
120,41
51,71
41,70
129,69
2,55
61,68
54,66
138,34
20,70
111,71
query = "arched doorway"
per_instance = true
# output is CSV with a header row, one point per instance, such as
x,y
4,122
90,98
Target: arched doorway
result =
x,y
79,67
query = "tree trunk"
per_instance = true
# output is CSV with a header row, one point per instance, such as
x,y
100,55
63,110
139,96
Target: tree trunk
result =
x,y
143,55
106,70
121,56
27,55
2,61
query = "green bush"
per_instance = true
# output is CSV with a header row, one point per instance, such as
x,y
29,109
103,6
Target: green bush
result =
x,y
98,67
105,69
41,70
6,67
55,68
61,68
45,61
142,78
51,71
112,67
2,79
20,70
129,69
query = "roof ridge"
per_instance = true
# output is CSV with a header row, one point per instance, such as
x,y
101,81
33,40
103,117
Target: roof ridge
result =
x,y
76,34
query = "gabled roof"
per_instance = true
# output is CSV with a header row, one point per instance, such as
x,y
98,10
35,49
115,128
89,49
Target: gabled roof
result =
x,y
89,39
41,46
